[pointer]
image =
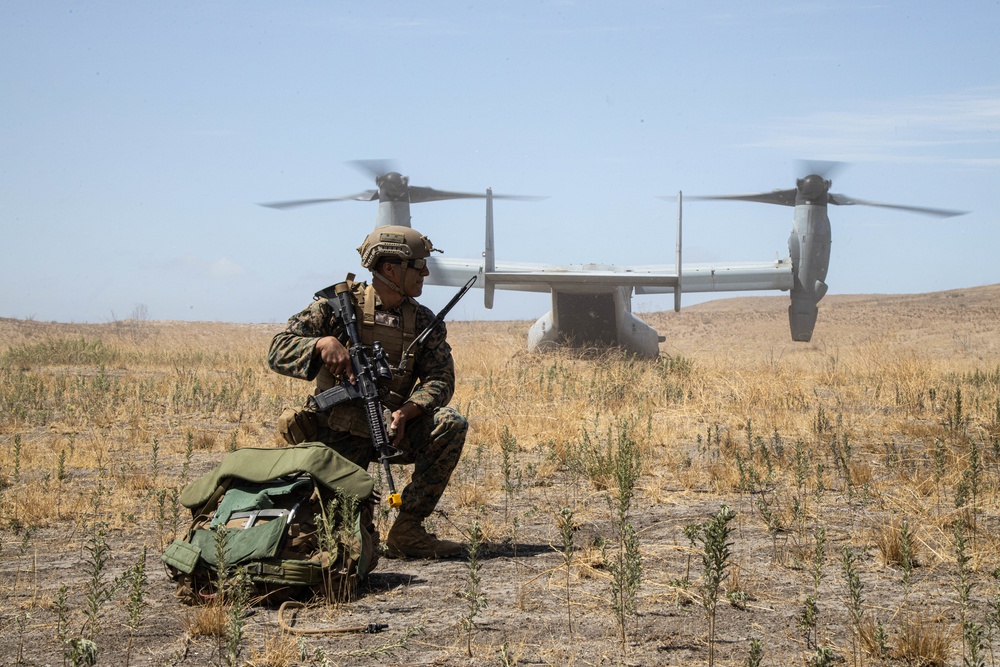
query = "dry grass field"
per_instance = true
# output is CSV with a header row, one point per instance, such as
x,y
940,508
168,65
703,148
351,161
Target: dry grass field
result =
x,y
744,500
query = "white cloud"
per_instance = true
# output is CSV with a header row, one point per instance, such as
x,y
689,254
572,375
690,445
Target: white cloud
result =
x,y
225,268
954,128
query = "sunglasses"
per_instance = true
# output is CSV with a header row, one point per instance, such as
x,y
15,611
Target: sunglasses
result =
x,y
417,264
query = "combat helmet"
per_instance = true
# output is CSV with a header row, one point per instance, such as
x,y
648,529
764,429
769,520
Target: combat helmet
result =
x,y
394,241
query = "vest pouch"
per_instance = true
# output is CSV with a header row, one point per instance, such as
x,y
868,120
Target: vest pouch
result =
x,y
350,418
298,425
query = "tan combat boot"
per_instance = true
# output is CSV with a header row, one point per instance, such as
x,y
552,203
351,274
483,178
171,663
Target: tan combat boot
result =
x,y
408,539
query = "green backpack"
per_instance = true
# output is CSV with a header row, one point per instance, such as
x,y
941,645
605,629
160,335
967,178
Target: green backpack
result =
x,y
294,522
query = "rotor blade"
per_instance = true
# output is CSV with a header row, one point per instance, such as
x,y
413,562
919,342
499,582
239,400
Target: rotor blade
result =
x,y
374,168
521,197
823,168
843,200
780,197
368,195
421,194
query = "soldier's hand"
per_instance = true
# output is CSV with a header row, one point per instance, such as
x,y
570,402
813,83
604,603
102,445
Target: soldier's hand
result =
x,y
397,427
399,419
335,357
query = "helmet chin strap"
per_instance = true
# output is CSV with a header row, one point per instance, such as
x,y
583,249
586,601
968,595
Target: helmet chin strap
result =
x,y
393,286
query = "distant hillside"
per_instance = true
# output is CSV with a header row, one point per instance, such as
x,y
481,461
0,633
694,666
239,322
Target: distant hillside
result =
x,y
964,321
153,332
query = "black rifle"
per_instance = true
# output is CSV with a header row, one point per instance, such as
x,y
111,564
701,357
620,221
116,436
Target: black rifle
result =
x,y
370,366
419,340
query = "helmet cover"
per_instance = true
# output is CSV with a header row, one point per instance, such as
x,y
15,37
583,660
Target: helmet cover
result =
x,y
394,241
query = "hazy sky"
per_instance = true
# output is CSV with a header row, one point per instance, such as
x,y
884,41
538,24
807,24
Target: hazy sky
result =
x,y
136,139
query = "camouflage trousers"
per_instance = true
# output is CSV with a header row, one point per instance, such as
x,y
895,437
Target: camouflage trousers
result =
x,y
432,444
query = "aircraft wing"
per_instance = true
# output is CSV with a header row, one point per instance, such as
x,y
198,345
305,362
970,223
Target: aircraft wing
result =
x,y
645,279
733,277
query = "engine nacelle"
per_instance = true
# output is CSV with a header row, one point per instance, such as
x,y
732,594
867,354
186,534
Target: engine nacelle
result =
x,y
802,319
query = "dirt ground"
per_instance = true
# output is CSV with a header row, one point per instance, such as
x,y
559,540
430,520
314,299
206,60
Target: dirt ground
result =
x,y
537,612
529,619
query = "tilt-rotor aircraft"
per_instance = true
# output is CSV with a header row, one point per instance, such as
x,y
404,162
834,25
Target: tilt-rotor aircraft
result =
x,y
592,303
809,242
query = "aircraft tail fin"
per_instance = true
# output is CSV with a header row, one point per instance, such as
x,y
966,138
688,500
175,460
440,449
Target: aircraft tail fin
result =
x,y
680,217
489,258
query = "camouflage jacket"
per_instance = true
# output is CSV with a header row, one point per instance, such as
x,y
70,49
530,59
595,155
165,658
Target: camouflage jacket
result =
x,y
291,352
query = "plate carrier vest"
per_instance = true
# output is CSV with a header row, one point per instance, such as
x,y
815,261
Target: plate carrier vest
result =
x,y
395,333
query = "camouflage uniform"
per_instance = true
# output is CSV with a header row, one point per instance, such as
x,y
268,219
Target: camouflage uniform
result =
x,y
432,443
